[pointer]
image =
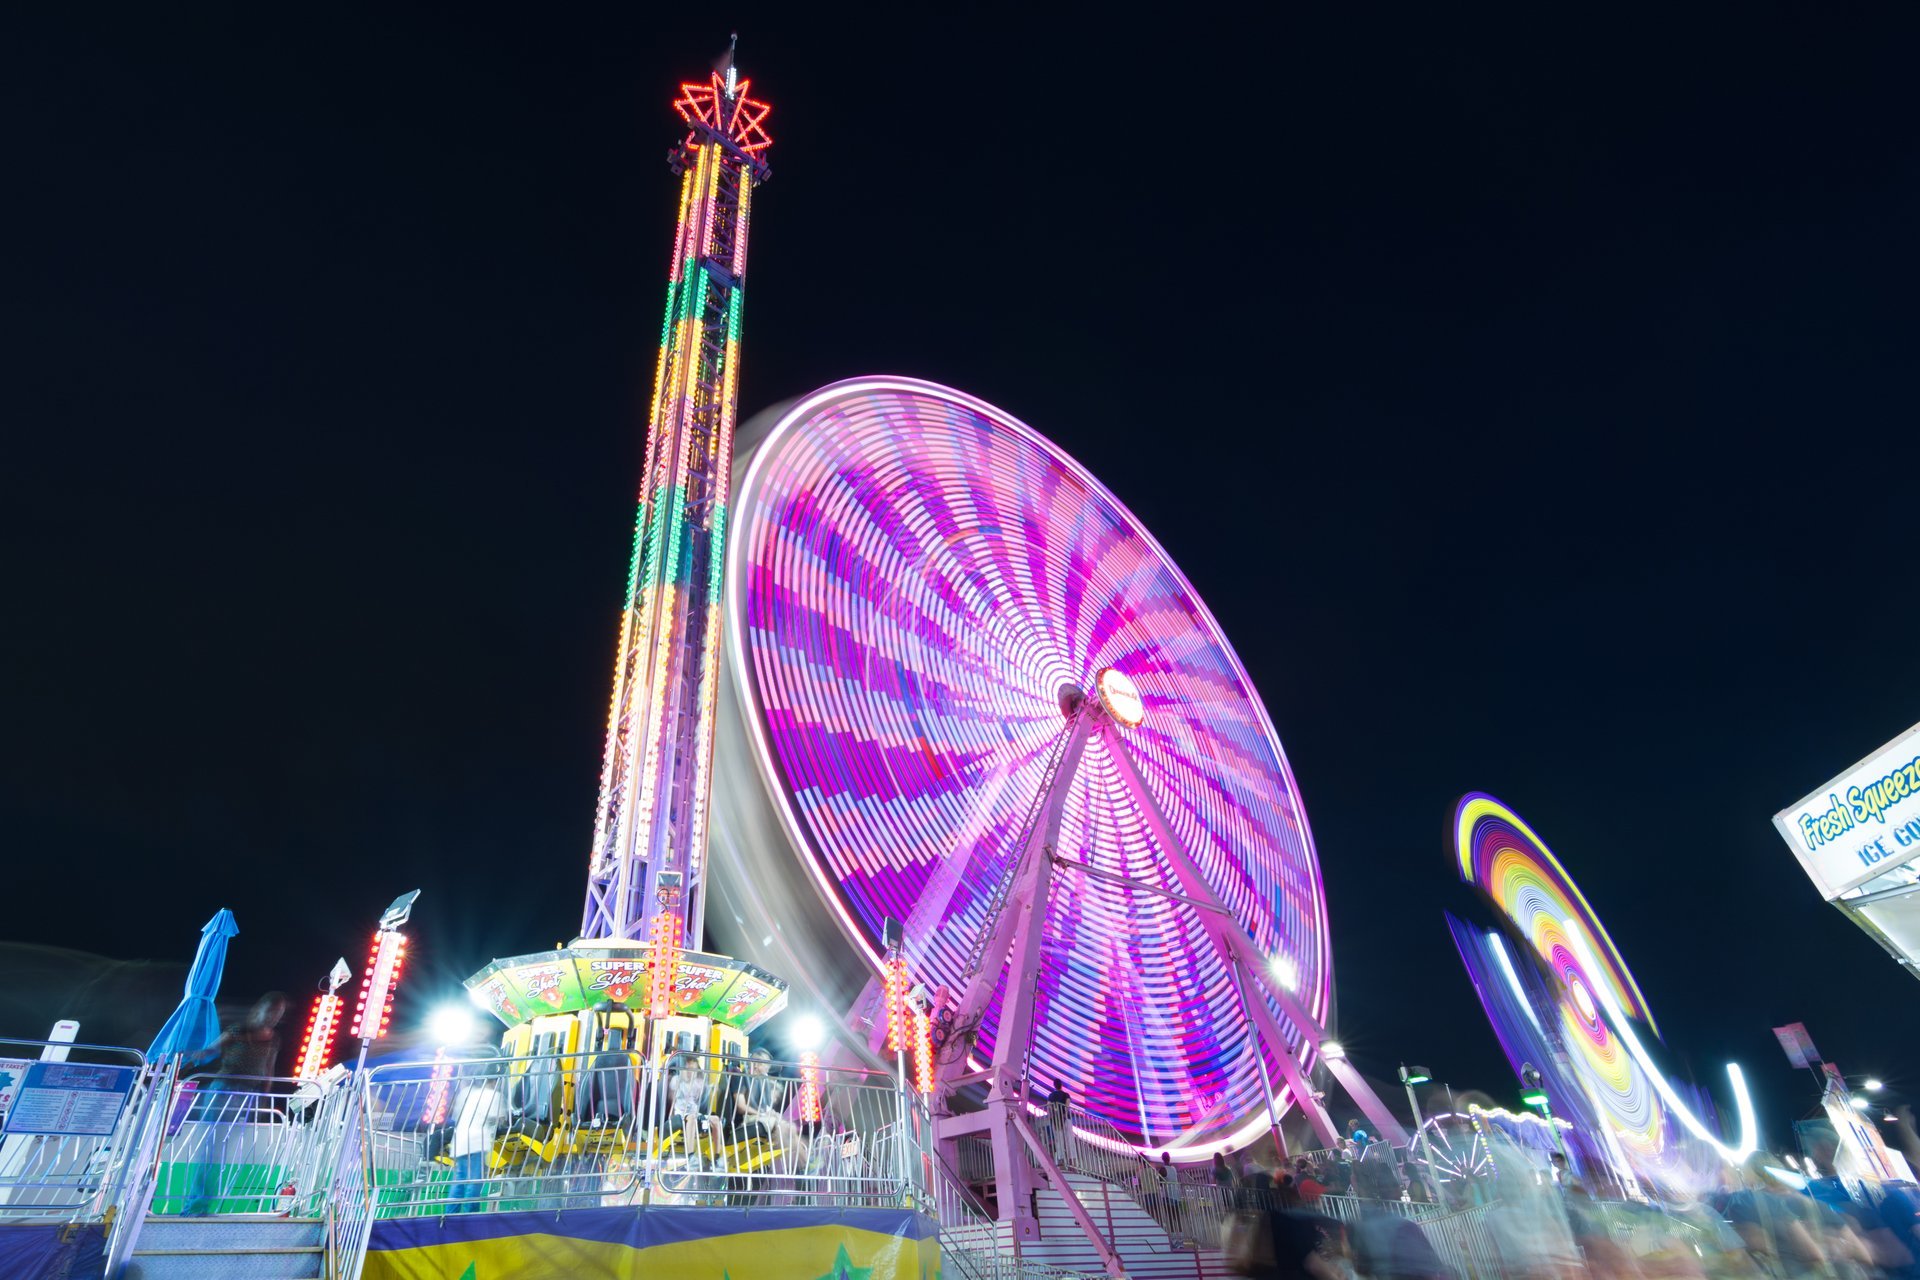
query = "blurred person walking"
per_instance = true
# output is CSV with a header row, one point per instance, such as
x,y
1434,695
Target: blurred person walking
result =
x,y
243,1060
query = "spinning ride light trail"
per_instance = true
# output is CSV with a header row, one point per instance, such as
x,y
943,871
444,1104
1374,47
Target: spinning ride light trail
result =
x,y
920,586
1454,1145
1592,1052
650,833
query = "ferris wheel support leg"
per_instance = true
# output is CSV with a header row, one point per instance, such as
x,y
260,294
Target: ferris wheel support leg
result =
x,y
1237,949
1016,934
1384,1122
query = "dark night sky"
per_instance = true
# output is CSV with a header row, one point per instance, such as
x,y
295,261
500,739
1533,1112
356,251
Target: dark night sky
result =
x,y
1531,395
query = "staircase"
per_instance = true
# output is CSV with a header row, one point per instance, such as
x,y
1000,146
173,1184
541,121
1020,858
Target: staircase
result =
x,y
1142,1243
229,1249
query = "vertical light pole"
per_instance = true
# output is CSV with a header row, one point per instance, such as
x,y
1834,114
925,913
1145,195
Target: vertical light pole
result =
x,y
1533,1092
382,976
322,1024
1409,1077
899,1030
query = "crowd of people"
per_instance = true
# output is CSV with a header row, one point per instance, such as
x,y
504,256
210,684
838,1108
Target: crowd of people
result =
x,y
1771,1218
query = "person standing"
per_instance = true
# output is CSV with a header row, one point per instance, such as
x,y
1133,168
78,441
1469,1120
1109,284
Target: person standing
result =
x,y
1059,1116
481,1110
1170,1178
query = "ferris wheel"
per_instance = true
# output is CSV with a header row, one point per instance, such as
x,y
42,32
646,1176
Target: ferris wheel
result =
x,y
925,598
1452,1147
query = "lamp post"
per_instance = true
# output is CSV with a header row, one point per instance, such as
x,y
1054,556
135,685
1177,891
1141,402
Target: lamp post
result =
x,y
1409,1077
1533,1092
382,976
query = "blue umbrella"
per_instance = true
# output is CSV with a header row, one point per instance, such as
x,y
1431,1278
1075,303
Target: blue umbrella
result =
x,y
195,1025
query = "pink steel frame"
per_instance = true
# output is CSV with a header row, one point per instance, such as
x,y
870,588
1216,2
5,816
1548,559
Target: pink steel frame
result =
x,y
1015,941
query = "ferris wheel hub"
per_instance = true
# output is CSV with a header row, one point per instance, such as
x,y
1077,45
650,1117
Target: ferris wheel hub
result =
x,y
1072,698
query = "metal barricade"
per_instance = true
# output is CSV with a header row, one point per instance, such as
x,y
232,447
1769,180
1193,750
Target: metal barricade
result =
x,y
70,1176
750,1131
247,1145
1349,1208
1465,1243
580,1130
546,1131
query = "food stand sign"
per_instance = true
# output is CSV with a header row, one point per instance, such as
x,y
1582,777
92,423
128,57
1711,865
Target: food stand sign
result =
x,y
1862,824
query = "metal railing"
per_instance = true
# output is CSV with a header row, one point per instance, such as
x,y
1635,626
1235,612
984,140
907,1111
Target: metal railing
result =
x,y
546,1132
1464,1242
248,1145
68,1176
558,1132
350,1202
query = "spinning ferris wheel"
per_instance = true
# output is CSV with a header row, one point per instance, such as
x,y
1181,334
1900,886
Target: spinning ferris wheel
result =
x,y
1452,1147
982,701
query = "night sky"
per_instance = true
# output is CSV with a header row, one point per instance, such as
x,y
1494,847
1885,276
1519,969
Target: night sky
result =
x,y
1530,395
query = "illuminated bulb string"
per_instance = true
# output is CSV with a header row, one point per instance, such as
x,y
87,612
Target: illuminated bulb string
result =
x,y
663,963
896,1003
922,1051
374,1010
810,1086
318,1044
439,1089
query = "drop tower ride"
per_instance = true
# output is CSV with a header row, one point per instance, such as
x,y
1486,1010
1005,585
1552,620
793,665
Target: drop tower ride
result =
x,y
646,874
635,975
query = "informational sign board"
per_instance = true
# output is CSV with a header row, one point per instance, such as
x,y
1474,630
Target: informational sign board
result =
x,y
12,1072
1863,823
69,1098
1799,1045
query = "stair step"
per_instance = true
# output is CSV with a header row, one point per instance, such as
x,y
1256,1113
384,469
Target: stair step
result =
x,y
248,1251
264,1247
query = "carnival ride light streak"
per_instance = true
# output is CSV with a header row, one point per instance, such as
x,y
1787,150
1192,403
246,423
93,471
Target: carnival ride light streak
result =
x,y
656,774
1737,1080
914,578
1499,946
1586,1040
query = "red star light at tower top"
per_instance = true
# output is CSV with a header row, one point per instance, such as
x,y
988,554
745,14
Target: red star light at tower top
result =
x,y
723,106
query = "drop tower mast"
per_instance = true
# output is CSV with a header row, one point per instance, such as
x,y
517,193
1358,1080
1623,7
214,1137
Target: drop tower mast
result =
x,y
635,975
646,874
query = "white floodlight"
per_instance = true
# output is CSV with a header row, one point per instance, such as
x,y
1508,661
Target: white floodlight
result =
x,y
1285,972
1333,1050
1873,1084
808,1032
453,1024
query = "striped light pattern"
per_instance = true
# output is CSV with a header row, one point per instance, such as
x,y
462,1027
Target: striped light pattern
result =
x,y
914,578
1502,856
